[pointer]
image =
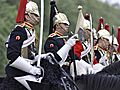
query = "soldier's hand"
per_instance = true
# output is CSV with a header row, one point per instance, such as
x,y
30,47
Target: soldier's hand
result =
x,y
103,60
72,40
42,56
35,70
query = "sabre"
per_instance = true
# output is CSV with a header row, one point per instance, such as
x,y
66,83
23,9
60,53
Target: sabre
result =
x,y
92,45
41,33
111,61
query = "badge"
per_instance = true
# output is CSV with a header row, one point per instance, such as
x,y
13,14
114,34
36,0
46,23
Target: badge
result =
x,y
17,38
51,45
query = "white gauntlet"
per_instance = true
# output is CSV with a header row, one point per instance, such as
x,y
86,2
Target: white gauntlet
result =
x,y
21,64
63,52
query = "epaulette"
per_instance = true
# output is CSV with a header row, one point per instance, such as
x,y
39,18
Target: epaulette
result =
x,y
52,35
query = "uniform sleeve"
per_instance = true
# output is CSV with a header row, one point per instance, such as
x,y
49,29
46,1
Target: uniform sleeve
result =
x,y
78,48
51,46
17,37
97,55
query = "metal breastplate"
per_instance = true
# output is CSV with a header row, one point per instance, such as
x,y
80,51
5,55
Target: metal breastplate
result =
x,y
87,57
29,50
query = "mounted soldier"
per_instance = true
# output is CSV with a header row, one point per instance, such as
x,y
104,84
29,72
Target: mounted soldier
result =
x,y
82,48
22,55
101,48
113,49
60,28
21,49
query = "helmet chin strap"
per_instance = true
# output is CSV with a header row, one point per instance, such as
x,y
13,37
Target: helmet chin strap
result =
x,y
32,19
63,29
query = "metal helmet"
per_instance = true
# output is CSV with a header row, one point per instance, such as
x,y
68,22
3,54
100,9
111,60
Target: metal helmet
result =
x,y
103,33
115,42
107,27
31,7
101,23
61,18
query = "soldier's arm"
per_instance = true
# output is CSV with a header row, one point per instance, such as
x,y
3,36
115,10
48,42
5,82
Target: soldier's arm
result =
x,y
16,39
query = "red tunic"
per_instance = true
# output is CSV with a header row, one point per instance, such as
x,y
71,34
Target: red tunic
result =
x,y
78,48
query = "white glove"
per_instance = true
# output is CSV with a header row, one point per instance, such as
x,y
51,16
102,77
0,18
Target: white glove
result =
x,y
90,70
63,52
35,71
21,64
103,60
72,41
42,56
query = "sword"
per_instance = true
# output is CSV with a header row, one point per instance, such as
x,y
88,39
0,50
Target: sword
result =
x,y
92,45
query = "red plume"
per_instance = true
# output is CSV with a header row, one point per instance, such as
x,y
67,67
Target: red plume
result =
x,y
101,23
87,16
21,11
118,38
107,27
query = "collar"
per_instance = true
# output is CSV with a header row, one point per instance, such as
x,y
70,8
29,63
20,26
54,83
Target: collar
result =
x,y
58,33
27,25
101,48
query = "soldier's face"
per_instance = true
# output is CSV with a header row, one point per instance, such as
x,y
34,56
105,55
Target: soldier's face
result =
x,y
87,34
64,28
33,19
105,43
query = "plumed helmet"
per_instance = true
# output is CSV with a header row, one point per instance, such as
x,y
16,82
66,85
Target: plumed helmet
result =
x,y
86,24
107,27
21,11
61,18
114,40
101,23
26,7
31,7
118,38
103,33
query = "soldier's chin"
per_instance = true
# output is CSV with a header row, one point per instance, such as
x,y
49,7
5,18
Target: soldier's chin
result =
x,y
36,23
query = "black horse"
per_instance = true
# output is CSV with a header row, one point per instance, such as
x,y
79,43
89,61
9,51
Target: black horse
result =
x,y
107,79
56,78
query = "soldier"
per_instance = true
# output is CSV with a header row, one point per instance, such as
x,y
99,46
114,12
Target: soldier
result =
x,y
21,46
113,49
82,49
118,38
101,48
55,40
21,50
85,46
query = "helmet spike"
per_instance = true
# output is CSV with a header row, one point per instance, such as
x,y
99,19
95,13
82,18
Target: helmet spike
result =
x,y
101,23
107,27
